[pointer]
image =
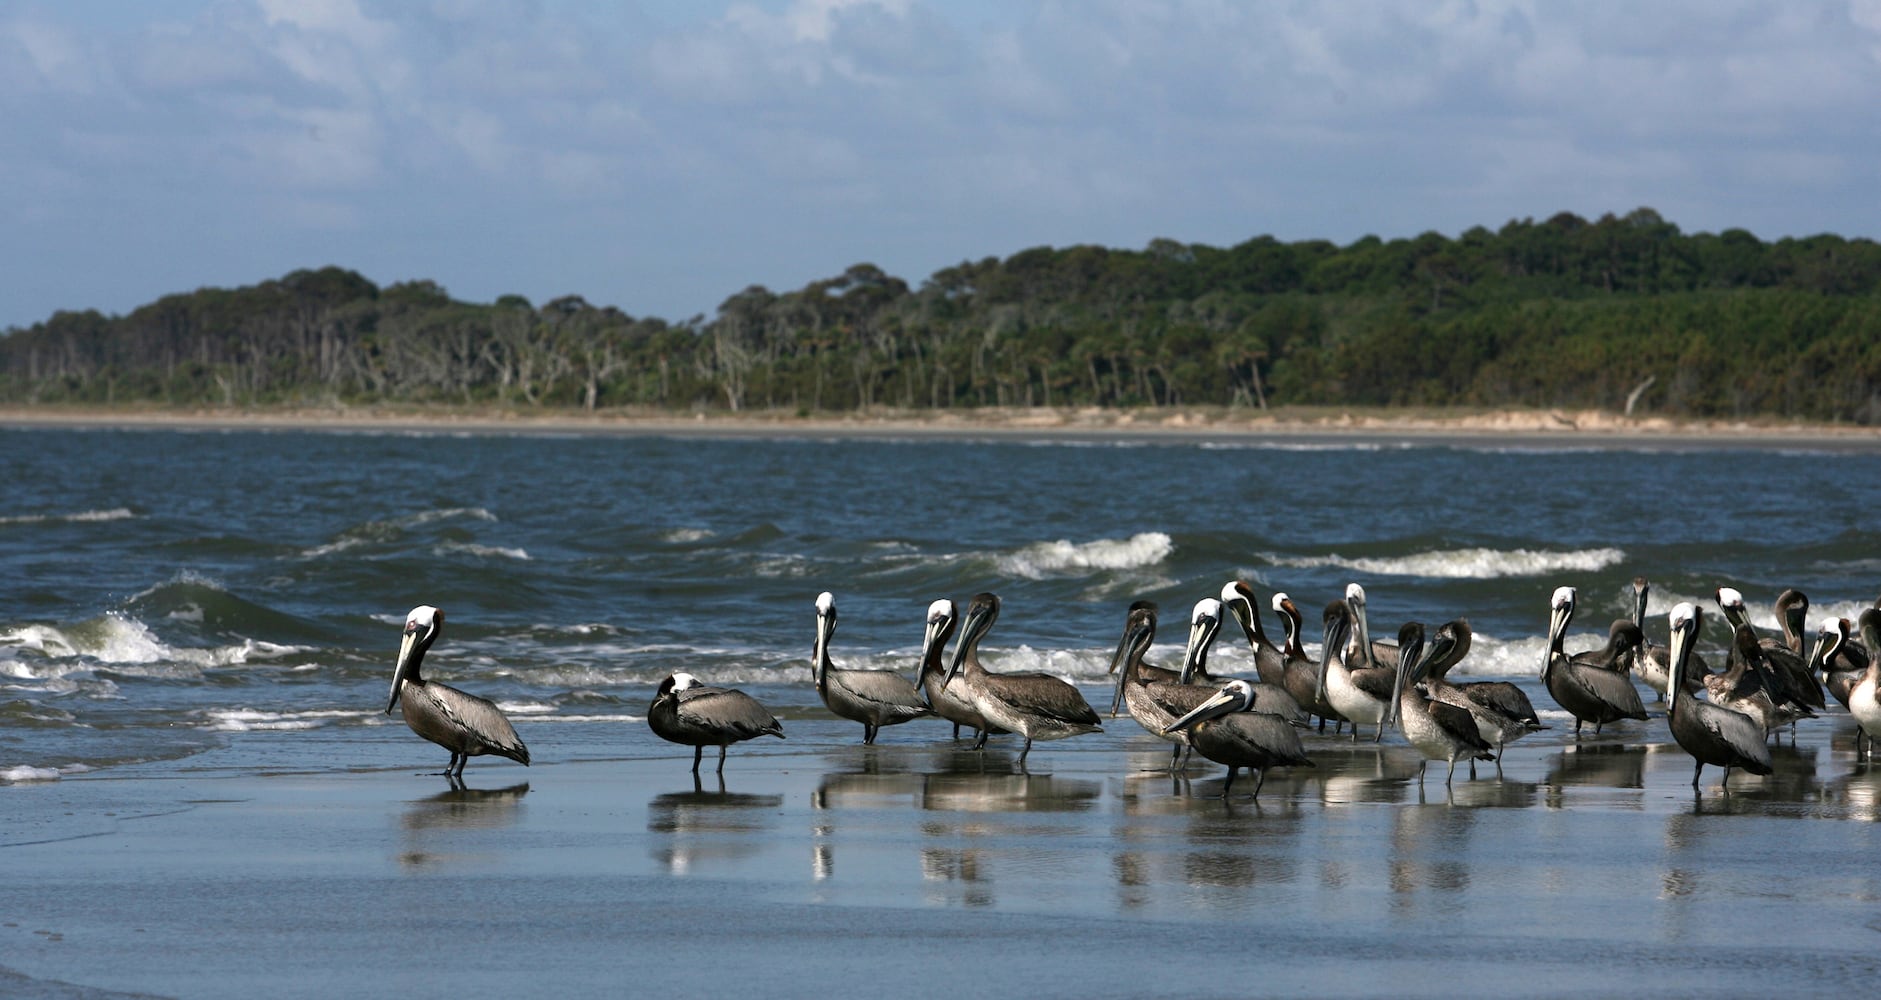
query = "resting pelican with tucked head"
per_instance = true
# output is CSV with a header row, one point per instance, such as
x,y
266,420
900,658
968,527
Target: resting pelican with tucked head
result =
x,y
691,714
1712,734
464,724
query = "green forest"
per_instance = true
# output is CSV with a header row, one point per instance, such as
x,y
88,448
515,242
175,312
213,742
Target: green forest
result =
x,y
1618,313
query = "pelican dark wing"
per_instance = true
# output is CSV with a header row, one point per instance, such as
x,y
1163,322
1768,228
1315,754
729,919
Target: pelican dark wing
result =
x,y
464,724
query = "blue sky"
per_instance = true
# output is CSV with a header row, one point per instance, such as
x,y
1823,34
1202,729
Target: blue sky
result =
x,y
661,156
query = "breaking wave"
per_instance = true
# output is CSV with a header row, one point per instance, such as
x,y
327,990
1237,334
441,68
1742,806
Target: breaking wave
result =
x,y
1043,559
1464,564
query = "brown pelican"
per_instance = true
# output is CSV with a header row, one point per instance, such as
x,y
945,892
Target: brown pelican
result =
x,y
1864,700
691,714
1362,650
1301,675
1439,731
1036,706
1157,697
1747,685
1270,661
1226,730
1139,630
1648,661
1712,734
947,698
1588,689
1204,628
464,724
1502,712
1786,672
875,698
1360,695
1842,662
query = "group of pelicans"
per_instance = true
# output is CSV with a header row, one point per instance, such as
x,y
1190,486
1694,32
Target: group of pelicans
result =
x,y
1765,684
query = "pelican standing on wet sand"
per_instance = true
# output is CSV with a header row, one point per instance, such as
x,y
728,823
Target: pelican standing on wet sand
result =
x,y
464,724
691,714
1589,692
1438,730
1502,712
1036,706
1156,698
1227,730
875,698
948,698
1712,734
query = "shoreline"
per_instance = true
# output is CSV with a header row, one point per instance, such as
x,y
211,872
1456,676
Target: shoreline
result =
x,y
1557,427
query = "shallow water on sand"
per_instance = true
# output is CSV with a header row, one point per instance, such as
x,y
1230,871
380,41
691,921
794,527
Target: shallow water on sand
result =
x,y
817,865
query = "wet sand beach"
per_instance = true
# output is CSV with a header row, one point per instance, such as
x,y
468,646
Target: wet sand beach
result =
x,y
915,868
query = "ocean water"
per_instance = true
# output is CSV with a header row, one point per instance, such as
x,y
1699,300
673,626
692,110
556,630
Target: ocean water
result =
x,y
165,592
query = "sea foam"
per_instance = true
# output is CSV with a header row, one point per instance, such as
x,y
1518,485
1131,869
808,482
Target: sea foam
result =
x,y
1059,558
1464,564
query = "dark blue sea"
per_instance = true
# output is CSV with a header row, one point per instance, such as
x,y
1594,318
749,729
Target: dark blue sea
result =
x,y
165,592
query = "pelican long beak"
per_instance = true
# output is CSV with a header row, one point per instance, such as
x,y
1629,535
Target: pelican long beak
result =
x,y
1361,626
1641,591
408,652
1410,662
1684,626
1824,649
1338,628
1202,632
1560,613
979,619
929,636
1135,640
1219,704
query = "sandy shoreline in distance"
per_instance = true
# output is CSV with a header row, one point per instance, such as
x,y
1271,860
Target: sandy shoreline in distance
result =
x,y
1590,427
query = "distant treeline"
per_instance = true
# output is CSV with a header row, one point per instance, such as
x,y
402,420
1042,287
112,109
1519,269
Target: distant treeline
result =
x,y
1563,313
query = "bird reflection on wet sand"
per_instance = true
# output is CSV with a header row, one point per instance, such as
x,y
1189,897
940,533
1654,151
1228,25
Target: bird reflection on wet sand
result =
x,y
706,826
434,818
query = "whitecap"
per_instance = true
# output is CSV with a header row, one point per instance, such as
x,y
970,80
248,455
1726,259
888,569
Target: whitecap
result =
x,y
1043,559
682,536
25,773
77,517
1464,564
243,720
471,548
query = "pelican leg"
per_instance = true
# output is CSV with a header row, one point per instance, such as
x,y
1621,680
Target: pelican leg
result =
x,y
1027,750
1175,760
956,732
461,759
1451,773
450,764
980,744
1472,768
1228,782
697,753
721,759
1724,783
1260,778
1421,765
1377,734
868,733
